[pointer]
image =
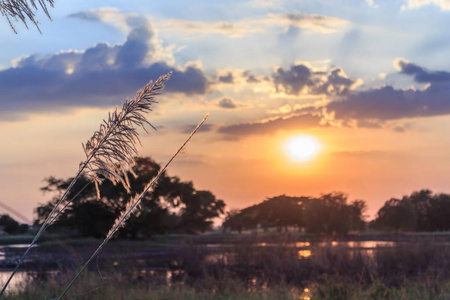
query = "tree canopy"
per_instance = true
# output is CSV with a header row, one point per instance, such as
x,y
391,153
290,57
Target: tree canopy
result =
x,y
11,226
420,211
172,206
329,214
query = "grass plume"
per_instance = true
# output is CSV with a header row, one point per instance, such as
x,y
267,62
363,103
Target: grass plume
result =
x,y
110,150
23,10
130,209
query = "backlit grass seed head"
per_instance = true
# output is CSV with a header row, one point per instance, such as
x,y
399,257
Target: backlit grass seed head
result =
x,y
23,10
110,151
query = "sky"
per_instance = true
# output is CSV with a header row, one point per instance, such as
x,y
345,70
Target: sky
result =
x,y
367,81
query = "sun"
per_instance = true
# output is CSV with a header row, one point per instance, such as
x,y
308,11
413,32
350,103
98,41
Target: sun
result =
x,y
302,148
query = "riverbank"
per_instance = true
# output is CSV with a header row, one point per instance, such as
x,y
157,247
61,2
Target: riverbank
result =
x,y
248,266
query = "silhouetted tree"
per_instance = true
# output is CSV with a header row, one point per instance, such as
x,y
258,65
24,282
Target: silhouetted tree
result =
x,y
11,226
282,212
171,205
240,220
421,211
331,215
398,215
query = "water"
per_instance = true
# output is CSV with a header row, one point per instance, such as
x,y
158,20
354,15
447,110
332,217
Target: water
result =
x,y
17,282
217,253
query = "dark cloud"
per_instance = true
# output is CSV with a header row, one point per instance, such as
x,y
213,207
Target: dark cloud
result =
x,y
100,76
227,103
293,80
226,78
86,15
387,103
250,78
291,123
420,74
296,17
133,53
111,15
300,77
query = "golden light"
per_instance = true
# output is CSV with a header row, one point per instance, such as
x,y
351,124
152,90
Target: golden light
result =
x,y
302,148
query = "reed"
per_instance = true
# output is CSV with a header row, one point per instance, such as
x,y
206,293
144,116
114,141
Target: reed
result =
x,y
130,209
109,152
22,10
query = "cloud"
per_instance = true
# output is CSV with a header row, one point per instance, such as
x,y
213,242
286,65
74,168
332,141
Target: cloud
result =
x,y
204,128
300,78
226,78
371,3
442,4
237,29
102,75
227,103
388,103
350,153
249,77
318,23
252,79
113,16
295,122
219,27
420,74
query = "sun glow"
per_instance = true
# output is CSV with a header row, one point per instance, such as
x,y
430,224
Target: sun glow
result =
x,y
302,148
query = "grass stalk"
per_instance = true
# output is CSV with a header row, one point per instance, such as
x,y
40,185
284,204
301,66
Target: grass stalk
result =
x,y
131,207
108,150
39,233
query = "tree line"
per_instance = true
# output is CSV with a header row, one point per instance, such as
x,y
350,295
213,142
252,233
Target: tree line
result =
x,y
176,206
329,214
420,211
332,215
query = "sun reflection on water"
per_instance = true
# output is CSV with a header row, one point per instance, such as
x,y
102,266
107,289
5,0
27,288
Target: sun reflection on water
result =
x,y
306,295
304,253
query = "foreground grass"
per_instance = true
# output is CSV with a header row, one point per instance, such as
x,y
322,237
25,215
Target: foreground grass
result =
x,y
115,286
188,268
95,286
339,289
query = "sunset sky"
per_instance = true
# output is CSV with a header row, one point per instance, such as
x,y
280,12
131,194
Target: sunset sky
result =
x,y
368,81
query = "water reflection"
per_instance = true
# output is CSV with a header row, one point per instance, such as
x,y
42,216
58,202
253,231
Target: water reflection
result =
x,y
304,253
224,254
306,295
348,244
359,244
17,282
302,244
15,246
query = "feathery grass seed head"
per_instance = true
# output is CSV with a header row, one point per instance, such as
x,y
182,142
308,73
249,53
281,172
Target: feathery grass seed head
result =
x,y
110,151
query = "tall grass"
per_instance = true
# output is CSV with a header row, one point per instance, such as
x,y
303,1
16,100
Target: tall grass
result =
x,y
116,285
130,209
23,10
109,152
414,271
